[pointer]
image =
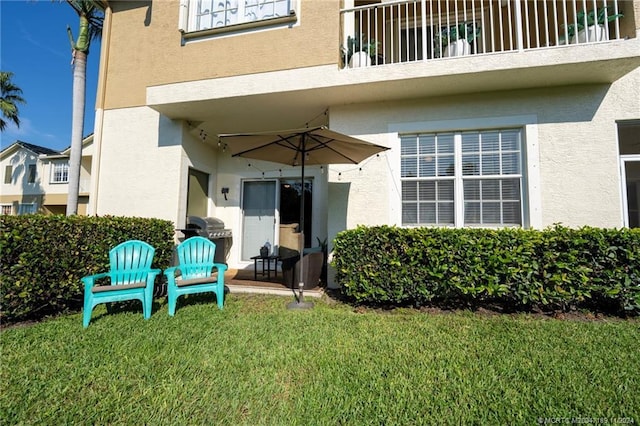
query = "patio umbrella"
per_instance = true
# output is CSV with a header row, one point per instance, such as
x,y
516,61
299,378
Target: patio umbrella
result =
x,y
300,147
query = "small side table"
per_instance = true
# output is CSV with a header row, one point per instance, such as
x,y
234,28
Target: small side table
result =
x,y
266,266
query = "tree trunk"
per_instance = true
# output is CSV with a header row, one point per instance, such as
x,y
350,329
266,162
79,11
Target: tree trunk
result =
x,y
77,128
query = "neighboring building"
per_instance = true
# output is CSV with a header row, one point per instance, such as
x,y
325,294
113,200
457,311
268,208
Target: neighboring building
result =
x,y
35,178
522,125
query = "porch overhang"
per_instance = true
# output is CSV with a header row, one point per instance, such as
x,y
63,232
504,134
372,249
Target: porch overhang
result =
x,y
290,98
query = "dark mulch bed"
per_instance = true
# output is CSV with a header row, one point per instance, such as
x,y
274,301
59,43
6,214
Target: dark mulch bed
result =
x,y
487,310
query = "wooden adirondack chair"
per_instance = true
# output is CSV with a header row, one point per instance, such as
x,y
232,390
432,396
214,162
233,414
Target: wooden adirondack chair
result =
x,y
131,278
196,267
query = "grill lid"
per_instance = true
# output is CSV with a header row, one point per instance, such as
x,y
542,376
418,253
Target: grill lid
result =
x,y
205,223
210,227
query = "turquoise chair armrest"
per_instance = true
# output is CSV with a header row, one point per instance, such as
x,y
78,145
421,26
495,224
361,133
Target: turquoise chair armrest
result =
x,y
171,271
152,274
89,280
220,266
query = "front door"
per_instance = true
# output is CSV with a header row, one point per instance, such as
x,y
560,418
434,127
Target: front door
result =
x,y
258,216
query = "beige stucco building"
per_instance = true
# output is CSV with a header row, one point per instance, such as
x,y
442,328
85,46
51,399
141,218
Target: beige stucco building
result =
x,y
523,121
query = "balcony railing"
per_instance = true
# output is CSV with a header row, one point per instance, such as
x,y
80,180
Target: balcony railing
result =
x,y
416,30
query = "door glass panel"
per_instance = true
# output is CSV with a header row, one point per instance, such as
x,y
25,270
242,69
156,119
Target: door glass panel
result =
x,y
629,147
290,197
632,175
259,213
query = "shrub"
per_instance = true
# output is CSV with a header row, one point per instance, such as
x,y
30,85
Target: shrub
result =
x,y
557,268
44,257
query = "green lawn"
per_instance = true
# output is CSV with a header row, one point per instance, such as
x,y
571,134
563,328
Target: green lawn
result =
x,y
257,363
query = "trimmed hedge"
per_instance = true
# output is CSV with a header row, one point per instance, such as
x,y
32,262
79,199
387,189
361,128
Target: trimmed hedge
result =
x,y
556,268
44,257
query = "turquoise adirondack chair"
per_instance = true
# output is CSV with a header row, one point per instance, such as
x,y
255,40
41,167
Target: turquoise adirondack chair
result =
x,y
196,266
131,278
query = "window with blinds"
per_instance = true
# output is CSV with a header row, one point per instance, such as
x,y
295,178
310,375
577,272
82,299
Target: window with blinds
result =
x,y
428,166
462,178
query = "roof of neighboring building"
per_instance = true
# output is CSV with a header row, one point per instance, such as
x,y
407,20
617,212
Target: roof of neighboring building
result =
x,y
37,149
42,151
85,140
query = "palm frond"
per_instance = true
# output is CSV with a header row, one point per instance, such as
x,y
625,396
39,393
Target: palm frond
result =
x,y
9,100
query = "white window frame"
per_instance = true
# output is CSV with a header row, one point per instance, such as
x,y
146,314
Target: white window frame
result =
x,y
4,206
454,158
531,198
435,159
188,18
55,170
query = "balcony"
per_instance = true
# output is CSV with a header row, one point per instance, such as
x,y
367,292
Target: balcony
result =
x,y
429,30
512,45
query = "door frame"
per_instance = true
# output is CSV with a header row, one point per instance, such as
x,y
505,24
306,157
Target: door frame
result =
x,y
276,224
278,199
193,173
624,159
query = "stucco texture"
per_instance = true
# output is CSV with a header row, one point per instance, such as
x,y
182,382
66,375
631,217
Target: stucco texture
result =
x,y
150,52
140,166
577,142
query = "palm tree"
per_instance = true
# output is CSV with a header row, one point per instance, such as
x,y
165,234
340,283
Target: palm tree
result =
x,y
91,14
9,98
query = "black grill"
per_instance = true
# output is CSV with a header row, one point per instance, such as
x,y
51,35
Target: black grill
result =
x,y
213,229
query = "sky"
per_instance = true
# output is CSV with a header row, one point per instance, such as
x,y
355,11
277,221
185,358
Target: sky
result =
x,y
35,47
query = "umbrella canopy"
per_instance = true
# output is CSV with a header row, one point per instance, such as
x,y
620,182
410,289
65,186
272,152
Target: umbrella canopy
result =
x,y
300,147
319,144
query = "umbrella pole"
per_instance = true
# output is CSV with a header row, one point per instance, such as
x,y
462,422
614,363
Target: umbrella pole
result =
x,y
300,303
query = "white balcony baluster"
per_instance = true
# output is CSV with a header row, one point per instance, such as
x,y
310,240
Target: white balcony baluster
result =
x,y
415,30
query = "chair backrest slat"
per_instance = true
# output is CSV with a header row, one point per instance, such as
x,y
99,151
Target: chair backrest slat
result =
x,y
196,256
130,261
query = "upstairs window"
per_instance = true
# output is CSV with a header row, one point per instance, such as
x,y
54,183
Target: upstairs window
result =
x,y
219,14
8,172
60,173
32,173
462,178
